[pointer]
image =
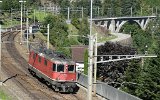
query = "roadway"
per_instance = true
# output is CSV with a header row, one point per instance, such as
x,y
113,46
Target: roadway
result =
x,y
120,37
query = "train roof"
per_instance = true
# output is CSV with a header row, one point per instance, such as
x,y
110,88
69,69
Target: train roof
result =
x,y
53,56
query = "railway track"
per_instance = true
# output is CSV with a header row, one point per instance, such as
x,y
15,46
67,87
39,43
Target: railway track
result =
x,y
15,66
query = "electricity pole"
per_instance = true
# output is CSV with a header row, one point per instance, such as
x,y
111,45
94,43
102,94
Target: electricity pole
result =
x,y
27,33
90,59
21,20
95,64
68,12
48,36
34,17
11,17
0,45
82,12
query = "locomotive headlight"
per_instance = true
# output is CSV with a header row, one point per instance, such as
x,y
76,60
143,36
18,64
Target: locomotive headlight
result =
x,y
72,79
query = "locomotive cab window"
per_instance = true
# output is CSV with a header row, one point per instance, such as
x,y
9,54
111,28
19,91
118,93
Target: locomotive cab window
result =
x,y
34,56
70,68
54,67
45,62
60,68
39,59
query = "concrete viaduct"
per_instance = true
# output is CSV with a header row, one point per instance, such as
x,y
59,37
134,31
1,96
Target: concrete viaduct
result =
x,y
115,24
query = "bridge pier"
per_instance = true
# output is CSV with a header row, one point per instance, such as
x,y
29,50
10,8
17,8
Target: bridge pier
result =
x,y
112,26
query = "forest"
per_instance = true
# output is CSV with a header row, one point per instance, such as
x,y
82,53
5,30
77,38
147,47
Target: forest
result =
x,y
139,77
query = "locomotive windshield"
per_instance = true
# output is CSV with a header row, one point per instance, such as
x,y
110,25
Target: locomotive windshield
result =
x,y
60,68
70,68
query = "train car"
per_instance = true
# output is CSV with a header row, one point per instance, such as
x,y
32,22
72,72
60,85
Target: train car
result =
x,y
54,69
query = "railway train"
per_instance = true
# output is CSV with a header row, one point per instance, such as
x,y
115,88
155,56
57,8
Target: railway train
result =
x,y
56,70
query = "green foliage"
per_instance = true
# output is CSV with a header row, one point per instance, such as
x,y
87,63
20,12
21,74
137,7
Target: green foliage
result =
x,y
7,5
86,62
151,80
110,8
63,3
147,78
83,3
14,4
97,3
83,27
4,96
34,3
141,39
127,4
58,32
65,51
152,3
132,77
150,88
106,4
83,32
76,22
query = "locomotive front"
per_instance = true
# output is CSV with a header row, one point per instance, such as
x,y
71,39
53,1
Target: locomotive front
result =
x,y
65,75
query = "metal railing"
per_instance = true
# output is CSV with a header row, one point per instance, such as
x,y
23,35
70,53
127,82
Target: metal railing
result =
x,y
106,91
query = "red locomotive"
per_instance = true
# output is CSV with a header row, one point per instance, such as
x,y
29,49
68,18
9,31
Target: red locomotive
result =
x,y
53,68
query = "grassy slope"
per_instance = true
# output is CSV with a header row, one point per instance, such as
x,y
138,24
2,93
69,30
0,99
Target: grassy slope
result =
x,y
39,15
73,31
101,36
4,96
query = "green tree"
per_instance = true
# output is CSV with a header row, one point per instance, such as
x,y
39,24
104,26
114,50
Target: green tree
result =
x,y
148,80
85,4
140,38
7,5
76,22
151,81
83,32
96,4
86,62
132,78
106,8
14,4
58,32
126,7
63,3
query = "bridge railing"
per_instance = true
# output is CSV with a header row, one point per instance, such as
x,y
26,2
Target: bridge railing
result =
x,y
105,90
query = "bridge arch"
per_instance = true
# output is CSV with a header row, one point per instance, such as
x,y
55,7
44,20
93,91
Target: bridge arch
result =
x,y
125,22
115,24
